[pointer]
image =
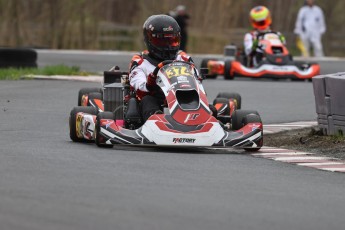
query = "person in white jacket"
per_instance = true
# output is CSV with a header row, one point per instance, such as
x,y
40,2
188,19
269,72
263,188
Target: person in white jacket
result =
x,y
310,26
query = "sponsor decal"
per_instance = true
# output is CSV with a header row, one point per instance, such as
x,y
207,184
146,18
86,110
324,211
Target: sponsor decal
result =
x,y
88,132
107,123
170,28
79,125
182,79
84,100
255,126
280,68
177,140
191,117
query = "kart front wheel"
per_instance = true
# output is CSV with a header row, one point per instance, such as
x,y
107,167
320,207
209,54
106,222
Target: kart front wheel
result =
x,y
204,65
227,69
241,118
74,122
99,139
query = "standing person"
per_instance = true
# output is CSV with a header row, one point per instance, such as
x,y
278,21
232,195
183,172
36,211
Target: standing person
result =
x,y
310,25
162,37
182,18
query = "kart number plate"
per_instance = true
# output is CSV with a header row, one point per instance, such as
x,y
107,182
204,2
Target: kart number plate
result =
x,y
175,71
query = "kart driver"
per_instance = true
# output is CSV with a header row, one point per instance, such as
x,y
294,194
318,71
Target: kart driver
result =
x,y
260,18
162,37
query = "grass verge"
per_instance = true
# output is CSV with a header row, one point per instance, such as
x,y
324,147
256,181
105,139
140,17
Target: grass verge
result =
x,y
15,73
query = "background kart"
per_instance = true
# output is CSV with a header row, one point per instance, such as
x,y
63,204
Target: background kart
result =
x,y
276,62
112,117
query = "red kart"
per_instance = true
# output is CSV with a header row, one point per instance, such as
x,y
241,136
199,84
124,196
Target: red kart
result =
x,y
275,62
111,116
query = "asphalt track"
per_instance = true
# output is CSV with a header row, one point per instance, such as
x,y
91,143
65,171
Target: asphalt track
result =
x,y
49,182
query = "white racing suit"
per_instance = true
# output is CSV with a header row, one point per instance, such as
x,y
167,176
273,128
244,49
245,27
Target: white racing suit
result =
x,y
141,66
310,25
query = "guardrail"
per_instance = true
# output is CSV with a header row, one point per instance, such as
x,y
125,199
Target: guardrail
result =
x,y
329,92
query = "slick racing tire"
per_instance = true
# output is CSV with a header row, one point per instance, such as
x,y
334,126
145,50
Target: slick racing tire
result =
x,y
18,58
87,91
98,137
227,68
204,65
241,118
73,121
234,96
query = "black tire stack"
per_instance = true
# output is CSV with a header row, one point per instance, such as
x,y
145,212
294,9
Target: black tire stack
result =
x,y
18,58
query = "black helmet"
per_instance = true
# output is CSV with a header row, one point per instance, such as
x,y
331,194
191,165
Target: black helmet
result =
x,y
162,36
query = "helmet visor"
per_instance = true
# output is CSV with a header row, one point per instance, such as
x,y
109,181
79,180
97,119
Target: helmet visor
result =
x,y
263,24
165,40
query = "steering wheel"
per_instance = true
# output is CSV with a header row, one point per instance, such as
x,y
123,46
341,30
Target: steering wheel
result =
x,y
160,65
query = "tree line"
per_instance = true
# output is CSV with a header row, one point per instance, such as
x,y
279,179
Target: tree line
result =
x,y
116,24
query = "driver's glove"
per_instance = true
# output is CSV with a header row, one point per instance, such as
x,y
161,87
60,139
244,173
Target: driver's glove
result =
x,y
151,81
255,44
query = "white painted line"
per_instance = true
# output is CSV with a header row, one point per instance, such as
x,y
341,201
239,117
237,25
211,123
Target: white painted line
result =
x,y
321,163
334,169
267,148
282,153
287,125
300,158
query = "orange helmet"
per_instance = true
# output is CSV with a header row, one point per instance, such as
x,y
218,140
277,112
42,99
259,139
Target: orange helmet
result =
x,y
260,17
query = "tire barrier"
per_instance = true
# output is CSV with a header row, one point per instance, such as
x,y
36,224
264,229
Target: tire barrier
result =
x,y
330,104
18,58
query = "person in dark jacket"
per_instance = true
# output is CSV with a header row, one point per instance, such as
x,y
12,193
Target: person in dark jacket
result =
x,y
182,18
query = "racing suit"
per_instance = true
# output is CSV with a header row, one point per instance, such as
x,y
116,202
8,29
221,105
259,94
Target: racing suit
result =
x,y
310,25
152,99
253,52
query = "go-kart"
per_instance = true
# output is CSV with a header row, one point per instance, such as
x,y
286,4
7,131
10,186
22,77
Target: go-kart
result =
x,y
111,117
274,58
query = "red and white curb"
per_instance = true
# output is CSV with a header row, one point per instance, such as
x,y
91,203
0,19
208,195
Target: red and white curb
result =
x,y
274,128
301,158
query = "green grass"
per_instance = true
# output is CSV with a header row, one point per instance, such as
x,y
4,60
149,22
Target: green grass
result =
x,y
15,73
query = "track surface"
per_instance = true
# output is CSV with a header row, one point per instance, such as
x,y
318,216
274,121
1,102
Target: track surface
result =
x,y
49,182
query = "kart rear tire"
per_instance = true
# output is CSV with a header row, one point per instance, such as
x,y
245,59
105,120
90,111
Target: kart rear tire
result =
x,y
235,96
98,137
227,68
73,121
204,65
239,119
87,91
